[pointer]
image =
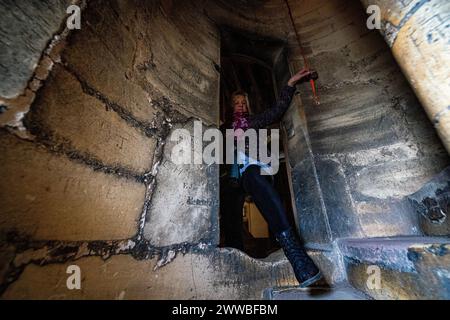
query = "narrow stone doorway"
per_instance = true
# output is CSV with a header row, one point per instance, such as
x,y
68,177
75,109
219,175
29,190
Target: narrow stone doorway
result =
x,y
247,64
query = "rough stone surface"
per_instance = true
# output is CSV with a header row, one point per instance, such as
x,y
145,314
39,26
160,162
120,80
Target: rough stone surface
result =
x,y
184,203
138,69
7,254
181,48
312,216
410,268
314,293
371,142
423,41
268,18
24,33
432,204
67,115
417,32
48,197
102,54
217,274
148,49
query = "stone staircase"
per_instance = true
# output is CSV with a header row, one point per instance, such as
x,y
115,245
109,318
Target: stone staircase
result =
x,y
378,268
410,267
315,293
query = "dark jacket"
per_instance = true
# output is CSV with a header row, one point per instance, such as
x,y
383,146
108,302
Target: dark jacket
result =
x,y
274,114
263,120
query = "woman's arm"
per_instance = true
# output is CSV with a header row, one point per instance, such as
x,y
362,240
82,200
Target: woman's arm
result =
x,y
275,113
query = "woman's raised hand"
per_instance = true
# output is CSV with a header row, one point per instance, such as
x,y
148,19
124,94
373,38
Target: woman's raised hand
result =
x,y
299,76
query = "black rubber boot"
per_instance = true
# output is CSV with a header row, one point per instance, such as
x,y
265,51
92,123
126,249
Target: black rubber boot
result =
x,y
305,270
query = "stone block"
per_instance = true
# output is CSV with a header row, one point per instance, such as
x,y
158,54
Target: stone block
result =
x,y
101,53
76,118
407,267
311,213
26,29
217,274
49,197
184,204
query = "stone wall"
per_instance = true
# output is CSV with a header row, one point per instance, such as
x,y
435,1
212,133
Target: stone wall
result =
x,y
370,139
85,164
85,156
417,33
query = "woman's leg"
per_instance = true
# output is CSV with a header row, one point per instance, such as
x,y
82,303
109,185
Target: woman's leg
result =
x,y
269,203
266,199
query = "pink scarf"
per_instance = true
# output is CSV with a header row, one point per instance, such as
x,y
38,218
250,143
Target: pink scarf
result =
x,y
240,121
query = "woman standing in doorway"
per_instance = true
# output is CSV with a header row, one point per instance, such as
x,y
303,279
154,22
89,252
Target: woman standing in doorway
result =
x,y
261,190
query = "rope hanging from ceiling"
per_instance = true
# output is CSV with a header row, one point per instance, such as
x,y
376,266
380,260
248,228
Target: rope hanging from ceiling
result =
x,y
305,61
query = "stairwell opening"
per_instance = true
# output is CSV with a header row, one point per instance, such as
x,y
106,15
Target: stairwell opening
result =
x,y
247,63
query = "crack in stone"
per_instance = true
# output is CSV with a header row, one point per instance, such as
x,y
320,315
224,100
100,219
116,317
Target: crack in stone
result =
x,y
149,129
62,146
35,83
43,253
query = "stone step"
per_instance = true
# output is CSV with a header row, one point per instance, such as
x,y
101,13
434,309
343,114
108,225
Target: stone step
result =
x,y
325,257
398,267
313,293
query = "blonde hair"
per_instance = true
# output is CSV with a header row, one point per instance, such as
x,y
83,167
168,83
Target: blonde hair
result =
x,y
245,95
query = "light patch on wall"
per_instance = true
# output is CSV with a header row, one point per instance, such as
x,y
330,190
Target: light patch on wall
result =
x,y
184,204
393,152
